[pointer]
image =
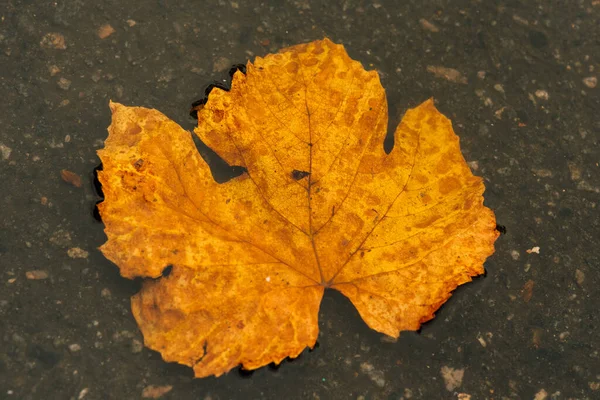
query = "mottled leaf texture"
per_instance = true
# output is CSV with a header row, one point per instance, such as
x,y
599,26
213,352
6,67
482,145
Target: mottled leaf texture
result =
x,y
320,206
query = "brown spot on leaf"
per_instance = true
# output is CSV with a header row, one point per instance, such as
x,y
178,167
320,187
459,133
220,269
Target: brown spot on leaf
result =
x,y
217,115
428,222
138,164
422,179
292,67
309,62
448,184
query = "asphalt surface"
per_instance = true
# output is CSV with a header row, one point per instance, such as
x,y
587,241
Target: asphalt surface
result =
x,y
524,100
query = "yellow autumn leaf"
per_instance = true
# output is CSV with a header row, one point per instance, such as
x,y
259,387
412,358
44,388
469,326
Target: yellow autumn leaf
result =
x,y
320,206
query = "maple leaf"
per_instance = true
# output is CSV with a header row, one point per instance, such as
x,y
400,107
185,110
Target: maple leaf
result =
x,y
320,206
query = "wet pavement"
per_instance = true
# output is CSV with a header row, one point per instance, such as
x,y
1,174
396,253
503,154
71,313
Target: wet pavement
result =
x,y
519,81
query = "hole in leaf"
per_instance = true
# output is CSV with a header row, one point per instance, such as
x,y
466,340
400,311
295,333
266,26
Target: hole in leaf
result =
x,y
167,271
297,175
